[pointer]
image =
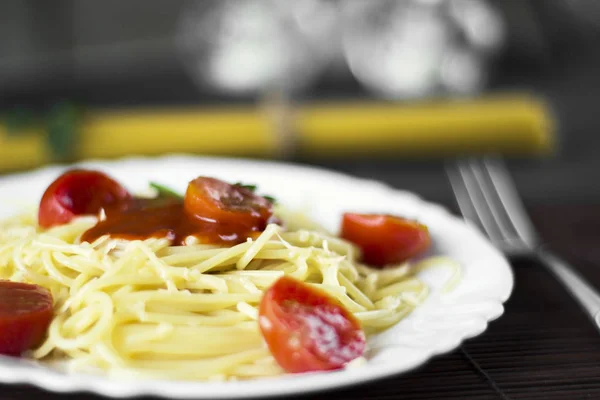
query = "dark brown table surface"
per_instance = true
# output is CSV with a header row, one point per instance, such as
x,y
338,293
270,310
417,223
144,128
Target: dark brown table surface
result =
x,y
543,347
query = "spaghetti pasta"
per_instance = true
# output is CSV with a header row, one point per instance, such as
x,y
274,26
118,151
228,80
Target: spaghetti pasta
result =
x,y
146,308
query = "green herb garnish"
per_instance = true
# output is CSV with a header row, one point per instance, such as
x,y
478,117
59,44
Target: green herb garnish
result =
x,y
165,191
253,188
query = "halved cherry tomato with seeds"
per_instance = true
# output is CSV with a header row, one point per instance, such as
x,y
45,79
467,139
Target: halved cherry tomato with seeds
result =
x,y
79,192
25,314
308,330
385,239
213,200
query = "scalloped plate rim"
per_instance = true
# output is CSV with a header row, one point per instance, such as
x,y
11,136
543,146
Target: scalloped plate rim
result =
x,y
49,379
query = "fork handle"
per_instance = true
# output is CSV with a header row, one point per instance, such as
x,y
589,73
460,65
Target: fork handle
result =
x,y
581,290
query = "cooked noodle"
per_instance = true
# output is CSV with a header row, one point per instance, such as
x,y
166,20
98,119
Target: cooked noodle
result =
x,y
149,309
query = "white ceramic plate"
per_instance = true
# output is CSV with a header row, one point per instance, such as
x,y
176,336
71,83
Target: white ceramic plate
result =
x,y
437,326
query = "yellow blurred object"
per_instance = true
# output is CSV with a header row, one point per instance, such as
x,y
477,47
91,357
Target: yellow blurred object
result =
x,y
508,125
27,150
151,132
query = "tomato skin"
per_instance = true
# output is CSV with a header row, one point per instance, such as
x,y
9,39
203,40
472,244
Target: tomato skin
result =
x,y
306,329
25,314
214,200
385,239
79,192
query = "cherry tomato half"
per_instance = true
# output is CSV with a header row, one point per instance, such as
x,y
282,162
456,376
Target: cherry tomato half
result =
x,y
306,329
213,200
25,314
385,239
79,192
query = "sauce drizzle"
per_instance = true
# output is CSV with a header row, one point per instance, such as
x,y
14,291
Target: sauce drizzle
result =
x,y
166,218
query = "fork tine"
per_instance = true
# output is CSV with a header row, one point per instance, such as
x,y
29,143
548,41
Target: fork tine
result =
x,y
471,200
508,196
462,195
491,196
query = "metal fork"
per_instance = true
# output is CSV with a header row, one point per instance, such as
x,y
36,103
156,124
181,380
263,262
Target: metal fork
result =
x,y
488,197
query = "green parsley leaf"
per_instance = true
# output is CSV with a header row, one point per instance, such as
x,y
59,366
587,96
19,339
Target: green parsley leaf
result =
x,y
165,191
251,188
271,199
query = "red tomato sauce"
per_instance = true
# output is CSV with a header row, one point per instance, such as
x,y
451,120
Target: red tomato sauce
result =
x,y
166,221
212,211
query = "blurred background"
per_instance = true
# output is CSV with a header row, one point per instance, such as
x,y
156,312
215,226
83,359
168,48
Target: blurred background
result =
x,y
389,89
